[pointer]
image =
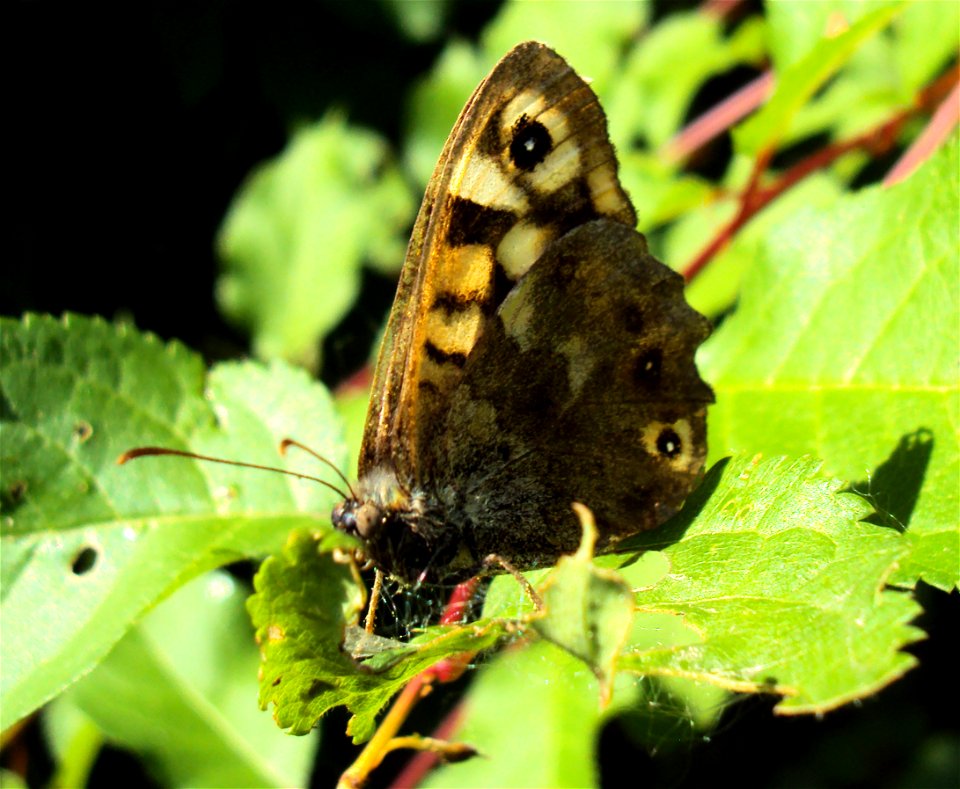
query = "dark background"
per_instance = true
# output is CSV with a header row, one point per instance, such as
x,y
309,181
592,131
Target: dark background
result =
x,y
134,125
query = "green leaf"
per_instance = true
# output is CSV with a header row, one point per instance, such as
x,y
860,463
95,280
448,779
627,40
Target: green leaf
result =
x,y
74,740
643,104
89,546
844,345
352,407
419,21
178,690
298,232
533,713
768,581
505,598
798,82
11,780
927,37
588,611
660,194
797,28
881,78
922,38
435,103
778,582
303,604
590,42
717,287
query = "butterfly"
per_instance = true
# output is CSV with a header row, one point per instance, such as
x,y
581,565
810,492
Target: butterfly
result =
x,y
536,354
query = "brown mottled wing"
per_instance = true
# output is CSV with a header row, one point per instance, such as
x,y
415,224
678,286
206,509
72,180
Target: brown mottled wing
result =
x,y
527,161
583,388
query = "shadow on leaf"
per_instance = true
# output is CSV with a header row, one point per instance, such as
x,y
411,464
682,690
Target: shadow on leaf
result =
x,y
895,485
674,529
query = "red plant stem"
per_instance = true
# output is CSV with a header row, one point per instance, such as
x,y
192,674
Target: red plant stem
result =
x,y
944,120
378,745
424,761
445,670
719,118
755,197
459,598
719,8
449,669
358,381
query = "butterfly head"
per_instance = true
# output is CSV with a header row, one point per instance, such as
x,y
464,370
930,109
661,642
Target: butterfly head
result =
x,y
397,532
378,500
360,519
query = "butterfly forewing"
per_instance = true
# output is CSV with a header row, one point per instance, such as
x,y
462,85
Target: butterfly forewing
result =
x,y
528,160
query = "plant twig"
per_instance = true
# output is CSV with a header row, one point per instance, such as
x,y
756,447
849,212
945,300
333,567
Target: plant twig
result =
x,y
756,197
943,122
424,761
718,119
385,738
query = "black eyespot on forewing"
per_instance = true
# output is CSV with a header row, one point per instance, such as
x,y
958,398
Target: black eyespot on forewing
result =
x,y
669,443
530,144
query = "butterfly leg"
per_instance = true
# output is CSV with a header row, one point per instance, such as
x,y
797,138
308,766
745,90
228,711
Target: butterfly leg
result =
x,y
495,559
371,617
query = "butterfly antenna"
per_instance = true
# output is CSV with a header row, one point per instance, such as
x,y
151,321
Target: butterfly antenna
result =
x,y
289,442
140,452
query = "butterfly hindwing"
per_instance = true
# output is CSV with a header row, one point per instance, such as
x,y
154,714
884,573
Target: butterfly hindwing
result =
x,y
583,388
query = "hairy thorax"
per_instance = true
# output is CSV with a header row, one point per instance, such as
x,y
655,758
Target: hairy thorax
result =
x,y
415,536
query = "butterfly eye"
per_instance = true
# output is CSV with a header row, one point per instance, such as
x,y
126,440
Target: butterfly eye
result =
x,y
366,519
357,519
531,143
